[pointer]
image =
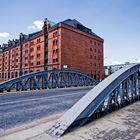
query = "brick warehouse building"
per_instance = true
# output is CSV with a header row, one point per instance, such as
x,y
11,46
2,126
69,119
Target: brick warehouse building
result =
x,y
65,45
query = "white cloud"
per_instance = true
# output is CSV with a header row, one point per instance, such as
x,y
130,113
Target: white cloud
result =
x,y
4,35
36,25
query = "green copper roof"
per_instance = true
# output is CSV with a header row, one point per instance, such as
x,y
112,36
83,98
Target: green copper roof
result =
x,y
50,22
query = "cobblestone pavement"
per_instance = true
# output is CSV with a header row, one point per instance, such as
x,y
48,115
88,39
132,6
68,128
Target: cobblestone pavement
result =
x,y
123,124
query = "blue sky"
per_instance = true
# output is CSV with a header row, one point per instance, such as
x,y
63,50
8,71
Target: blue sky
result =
x,y
116,21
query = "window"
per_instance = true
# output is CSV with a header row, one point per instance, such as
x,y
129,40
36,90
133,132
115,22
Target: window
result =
x,y
55,51
32,49
95,64
26,65
99,51
56,59
94,57
38,55
16,60
53,60
32,43
95,43
26,45
55,34
55,42
90,56
16,66
90,49
16,74
38,63
38,48
26,51
25,72
38,40
94,50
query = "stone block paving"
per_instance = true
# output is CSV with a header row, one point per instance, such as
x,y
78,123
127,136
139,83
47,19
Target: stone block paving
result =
x,y
123,124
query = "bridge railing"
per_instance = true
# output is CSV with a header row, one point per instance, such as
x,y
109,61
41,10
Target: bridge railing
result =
x,y
47,79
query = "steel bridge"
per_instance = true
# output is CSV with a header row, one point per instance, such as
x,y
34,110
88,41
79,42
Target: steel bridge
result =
x,y
116,91
48,79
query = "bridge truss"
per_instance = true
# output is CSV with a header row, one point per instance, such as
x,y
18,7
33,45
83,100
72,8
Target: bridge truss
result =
x,y
116,91
48,79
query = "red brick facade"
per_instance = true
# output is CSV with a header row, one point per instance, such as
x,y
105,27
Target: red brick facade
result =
x,y
58,47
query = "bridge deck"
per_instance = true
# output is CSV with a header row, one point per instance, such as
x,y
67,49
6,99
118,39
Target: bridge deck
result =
x,y
17,109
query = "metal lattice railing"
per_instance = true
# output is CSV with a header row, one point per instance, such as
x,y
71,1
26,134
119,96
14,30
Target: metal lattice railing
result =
x,y
48,79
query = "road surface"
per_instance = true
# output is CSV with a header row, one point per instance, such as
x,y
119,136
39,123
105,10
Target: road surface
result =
x,y
24,107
